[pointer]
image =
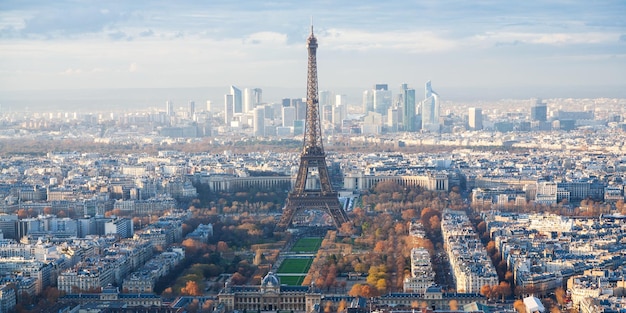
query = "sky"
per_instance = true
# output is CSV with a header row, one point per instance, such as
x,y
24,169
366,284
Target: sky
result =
x,y
465,46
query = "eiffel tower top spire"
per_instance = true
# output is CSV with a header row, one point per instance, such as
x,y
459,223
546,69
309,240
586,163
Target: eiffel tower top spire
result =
x,y
313,132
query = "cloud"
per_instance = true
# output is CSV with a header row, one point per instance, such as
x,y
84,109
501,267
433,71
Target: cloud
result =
x,y
146,33
179,43
71,71
71,20
409,41
508,43
555,39
119,35
266,38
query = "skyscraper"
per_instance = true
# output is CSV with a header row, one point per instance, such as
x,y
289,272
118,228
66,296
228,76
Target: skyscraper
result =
x,y
326,98
340,111
538,110
289,115
228,109
326,113
251,99
475,120
392,119
237,99
169,108
368,101
326,106
300,108
382,98
257,93
430,109
192,108
408,108
248,101
259,121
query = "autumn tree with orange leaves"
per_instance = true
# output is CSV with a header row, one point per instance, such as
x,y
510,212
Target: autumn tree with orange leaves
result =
x,y
191,289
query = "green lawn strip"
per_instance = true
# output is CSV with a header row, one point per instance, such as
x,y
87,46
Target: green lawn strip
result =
x,y
292,280
307,244
295,266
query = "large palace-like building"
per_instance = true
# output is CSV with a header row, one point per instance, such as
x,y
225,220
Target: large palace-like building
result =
x,y
269,296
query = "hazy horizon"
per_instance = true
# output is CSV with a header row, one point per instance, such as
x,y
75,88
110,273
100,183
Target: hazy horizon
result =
x,y
131,99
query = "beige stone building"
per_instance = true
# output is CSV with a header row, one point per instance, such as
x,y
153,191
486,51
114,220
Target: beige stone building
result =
x,y
269,296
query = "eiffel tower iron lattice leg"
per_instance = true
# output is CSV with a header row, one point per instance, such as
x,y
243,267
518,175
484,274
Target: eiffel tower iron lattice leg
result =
x,y
313,156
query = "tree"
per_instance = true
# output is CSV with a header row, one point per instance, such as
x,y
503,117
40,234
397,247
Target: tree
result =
x,y
222,246
491,248
167,292
367,291
508,276
435,223
347,228
481,228
52,294
193,246
381,285
619,205
426,214
22,213
342,305
191,289
504,289
386,187
355,291
519,306
207,306
194,306
454,305
409,214
560,295
363,290
328,307
238,279
380,247
485,290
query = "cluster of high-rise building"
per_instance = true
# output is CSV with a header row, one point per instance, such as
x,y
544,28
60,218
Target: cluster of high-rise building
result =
x,y
382,111
385,112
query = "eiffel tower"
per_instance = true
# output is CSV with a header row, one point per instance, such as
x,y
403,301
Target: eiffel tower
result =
x,y
322,197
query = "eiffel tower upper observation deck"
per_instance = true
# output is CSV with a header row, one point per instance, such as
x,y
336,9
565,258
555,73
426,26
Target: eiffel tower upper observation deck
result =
x,y
320,196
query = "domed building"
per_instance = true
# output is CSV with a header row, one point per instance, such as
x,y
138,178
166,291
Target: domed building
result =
x,y
269,296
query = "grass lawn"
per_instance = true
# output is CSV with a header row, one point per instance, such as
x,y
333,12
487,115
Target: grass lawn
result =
x,y
307,245
292,280
295,266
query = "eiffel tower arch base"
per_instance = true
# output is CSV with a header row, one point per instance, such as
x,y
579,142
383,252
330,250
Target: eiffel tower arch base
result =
x,y
329,204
